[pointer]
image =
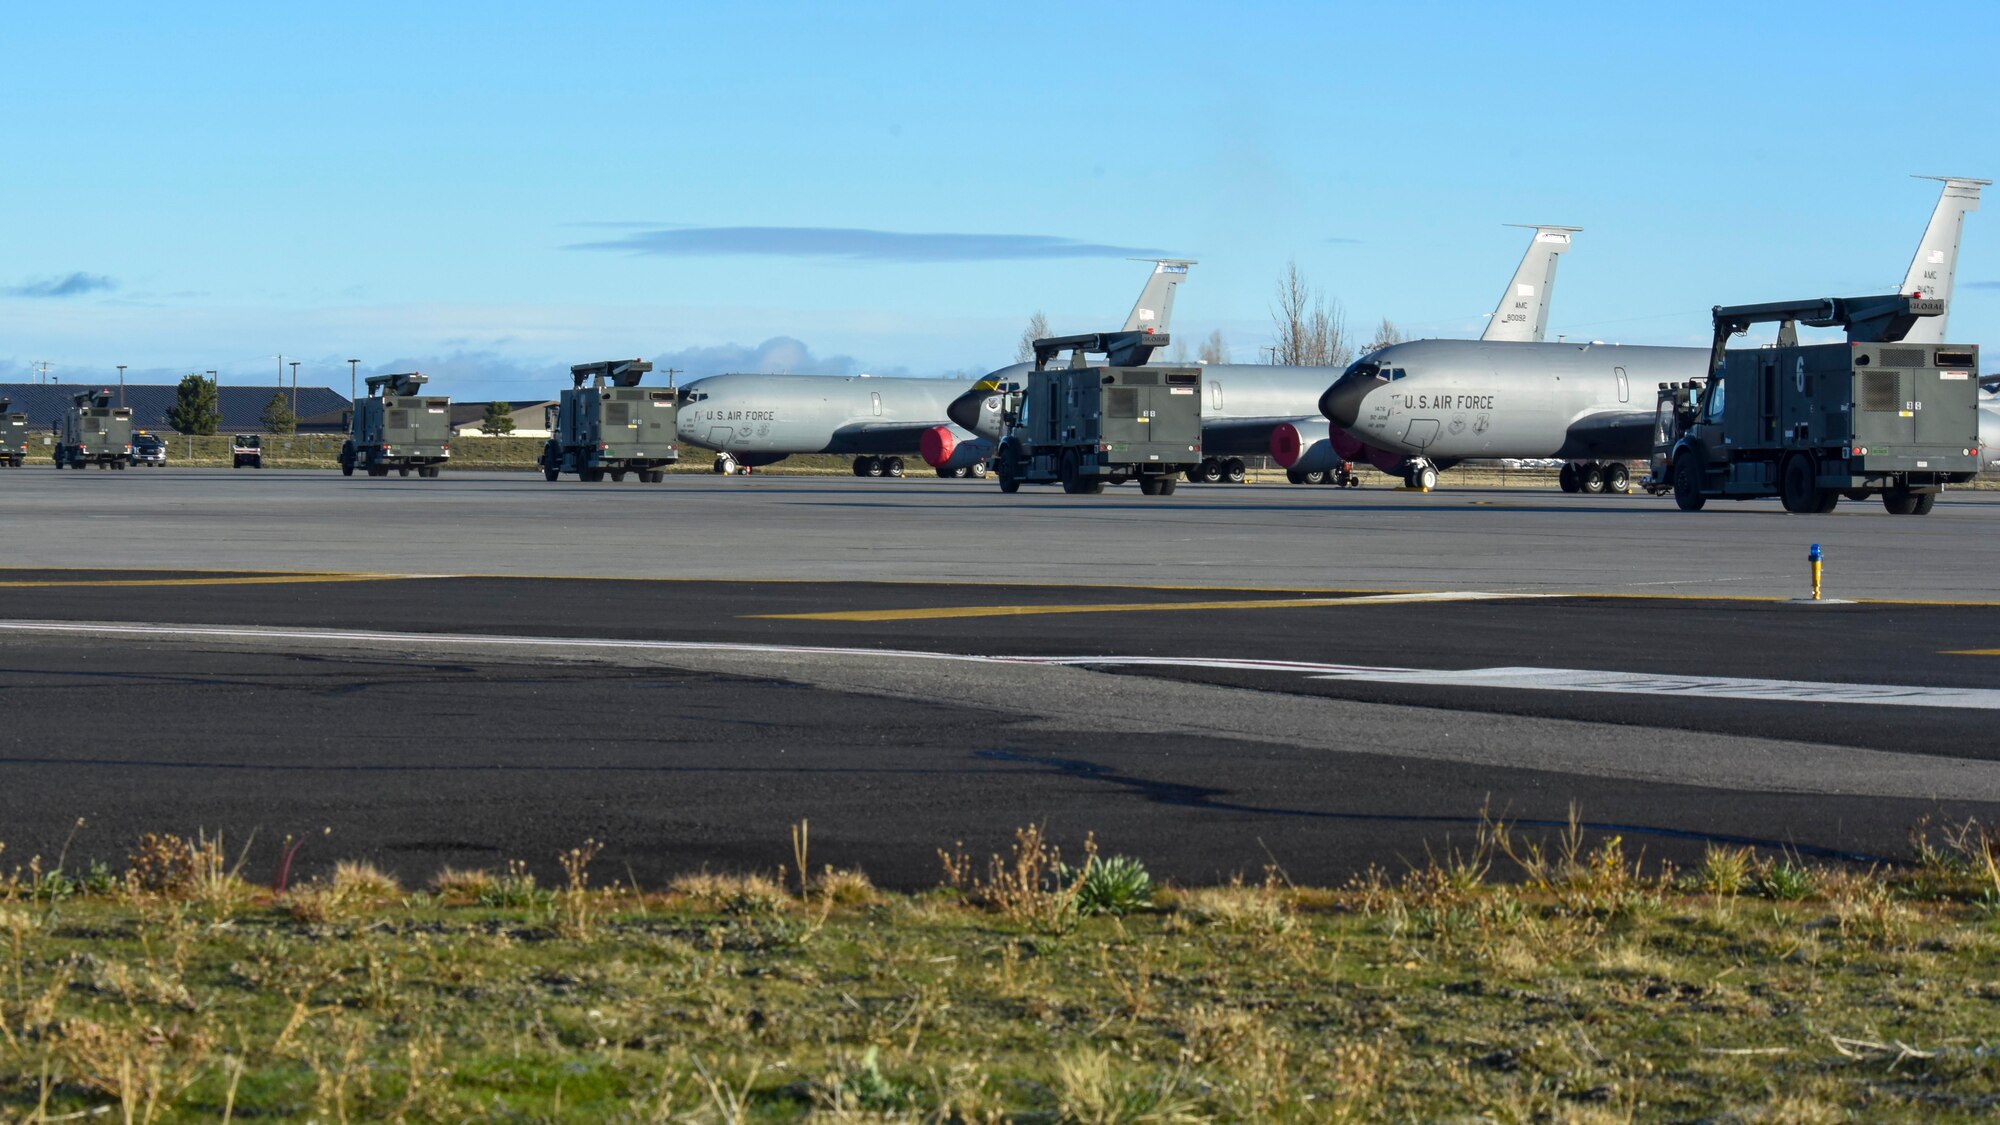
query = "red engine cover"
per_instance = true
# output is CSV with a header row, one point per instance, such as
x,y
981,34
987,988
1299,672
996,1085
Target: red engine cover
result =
x,y
937,445
1286,444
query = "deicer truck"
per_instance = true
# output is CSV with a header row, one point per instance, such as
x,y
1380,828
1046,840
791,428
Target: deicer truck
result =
x,y
1812,423
94,432
609,425
1086,426
13,436
397,428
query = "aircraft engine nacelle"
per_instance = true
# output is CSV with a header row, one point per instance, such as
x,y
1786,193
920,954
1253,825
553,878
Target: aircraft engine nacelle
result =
x,y
1297,449
943,449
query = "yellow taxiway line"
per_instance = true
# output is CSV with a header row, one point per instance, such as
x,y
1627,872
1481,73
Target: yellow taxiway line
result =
x,y
937,613
1360,597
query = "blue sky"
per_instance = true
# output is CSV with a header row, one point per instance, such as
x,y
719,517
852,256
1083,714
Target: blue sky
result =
x,y
491,192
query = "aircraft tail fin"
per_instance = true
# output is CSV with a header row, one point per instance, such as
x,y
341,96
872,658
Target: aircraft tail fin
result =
x,y
1156,301
1937,255
1523,312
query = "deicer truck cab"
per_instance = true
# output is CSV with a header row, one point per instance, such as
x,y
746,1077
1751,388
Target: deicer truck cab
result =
x,y
13,436
1812,423
609,425
396,428
1086,426
94,432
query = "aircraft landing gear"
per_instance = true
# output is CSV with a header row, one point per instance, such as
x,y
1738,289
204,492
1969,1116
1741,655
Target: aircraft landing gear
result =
x,y
1215,470
1420,475
1594,476
725,464
878,466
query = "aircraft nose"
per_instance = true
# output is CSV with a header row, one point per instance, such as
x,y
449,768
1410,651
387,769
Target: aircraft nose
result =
x,y
964,410
1342,401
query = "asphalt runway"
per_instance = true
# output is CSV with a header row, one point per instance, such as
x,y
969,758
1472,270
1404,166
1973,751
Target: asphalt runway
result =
x,y
1272,536
1209,730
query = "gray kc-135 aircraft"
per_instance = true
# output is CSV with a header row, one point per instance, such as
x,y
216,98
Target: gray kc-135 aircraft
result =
x,y
1418,407
762,419
1255,408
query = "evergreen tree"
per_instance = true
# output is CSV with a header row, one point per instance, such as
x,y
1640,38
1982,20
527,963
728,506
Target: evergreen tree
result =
x,y
197,408
499,420
278,416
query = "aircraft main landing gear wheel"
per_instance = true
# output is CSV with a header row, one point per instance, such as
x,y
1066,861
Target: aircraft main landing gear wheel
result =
x,y
1209,471
868,467
892,467
1234,470
979,470
1617,478
1590,477
1566,478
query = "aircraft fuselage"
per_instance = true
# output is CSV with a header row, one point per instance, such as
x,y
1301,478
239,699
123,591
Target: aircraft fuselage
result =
x,y
1450,400
761,419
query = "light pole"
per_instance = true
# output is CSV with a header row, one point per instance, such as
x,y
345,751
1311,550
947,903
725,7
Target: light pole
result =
x,y
121,384
295,389
353,365
218,407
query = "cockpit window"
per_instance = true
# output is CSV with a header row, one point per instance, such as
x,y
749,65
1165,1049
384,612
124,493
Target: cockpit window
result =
x,y
1365,370
1395,374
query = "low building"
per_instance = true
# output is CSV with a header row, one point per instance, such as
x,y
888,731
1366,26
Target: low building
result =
x,y
320,409
533,418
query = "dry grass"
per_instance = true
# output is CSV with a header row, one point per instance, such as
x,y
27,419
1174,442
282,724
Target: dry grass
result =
x,y
730,894
1590,988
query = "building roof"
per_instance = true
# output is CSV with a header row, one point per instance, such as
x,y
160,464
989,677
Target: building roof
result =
x,y
466,412
242,407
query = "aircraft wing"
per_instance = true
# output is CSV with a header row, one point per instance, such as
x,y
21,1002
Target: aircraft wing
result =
x,y
882,437
1618,434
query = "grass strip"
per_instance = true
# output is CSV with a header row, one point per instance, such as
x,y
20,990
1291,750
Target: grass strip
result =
x,y
1752,988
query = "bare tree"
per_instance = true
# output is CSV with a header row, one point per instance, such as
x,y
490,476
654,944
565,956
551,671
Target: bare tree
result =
x,y
1037,329
1212,349
1180,352
1386,333
1311,330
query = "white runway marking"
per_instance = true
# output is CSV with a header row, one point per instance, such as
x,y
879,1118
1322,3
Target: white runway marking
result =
x,y
1704,687
1532,679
